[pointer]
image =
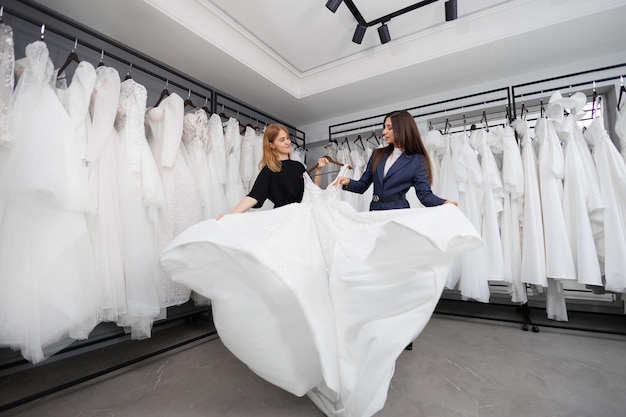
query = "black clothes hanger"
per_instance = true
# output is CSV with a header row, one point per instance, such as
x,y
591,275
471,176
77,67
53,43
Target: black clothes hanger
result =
x,y
164,93
188,102
206,107
358,141
484,121
72,57
101,63
347,142
128,76
622,90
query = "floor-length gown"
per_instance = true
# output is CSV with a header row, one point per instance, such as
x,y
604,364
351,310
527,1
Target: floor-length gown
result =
x,y
612,171
620,122
141,194
234,187
47,272
309,297
102,163
195,137
216,162
533,266
182,202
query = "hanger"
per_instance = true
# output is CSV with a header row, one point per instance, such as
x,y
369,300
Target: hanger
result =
x,y
464,123
72,57
43,30
164,93
347,142
1,13
188,101
223,115
359,140
331,160
101,63
128,76
622,90
593,104
484,121
447,127
373,136
205,107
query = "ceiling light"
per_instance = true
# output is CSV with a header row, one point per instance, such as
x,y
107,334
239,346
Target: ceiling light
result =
x,y
333,5
359,32
383,33
451,10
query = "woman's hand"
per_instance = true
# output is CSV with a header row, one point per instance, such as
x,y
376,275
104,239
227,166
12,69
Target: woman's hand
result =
x,y
322,162
456,203
341,181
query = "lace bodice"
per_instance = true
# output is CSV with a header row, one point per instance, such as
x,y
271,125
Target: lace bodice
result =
x,y
7,66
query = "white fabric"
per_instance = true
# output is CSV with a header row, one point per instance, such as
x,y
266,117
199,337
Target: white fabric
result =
x,y
474,269
317,298
512,212
7,66
182,202
533,263
559,258
195,138
47,273
612,171
233,186
620,122
216,161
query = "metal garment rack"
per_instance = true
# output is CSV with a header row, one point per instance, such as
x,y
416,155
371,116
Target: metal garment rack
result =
x,y
472,106
591,79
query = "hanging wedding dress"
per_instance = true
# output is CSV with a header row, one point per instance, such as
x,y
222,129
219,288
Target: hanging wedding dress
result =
x,y
216,161
512,212
234,187
473,282
7,66
533,263
141,196
195,138
492,205
246,166
612,172
182,202
620,121
47,272
102,163
317,298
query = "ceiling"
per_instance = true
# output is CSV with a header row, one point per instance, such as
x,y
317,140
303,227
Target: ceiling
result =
x,y
295,59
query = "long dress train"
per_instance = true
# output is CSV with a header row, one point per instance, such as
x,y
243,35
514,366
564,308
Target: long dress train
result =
x,y
318,298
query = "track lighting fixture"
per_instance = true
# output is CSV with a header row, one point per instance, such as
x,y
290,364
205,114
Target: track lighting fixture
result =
x,y
451,10
333,5
383,34
359,32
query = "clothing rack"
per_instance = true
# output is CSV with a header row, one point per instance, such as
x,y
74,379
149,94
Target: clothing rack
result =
x,y
129,61
255,116
594,79
472,106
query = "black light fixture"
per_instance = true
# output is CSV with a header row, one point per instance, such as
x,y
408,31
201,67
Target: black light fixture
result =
x,y
383,33
359,32
451,10
333,5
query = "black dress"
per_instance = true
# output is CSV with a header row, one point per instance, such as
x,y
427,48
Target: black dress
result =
x,y
281,188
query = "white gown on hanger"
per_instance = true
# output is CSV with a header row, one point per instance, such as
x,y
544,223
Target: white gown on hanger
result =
x,y
182,202
533,266
195,138
620,124
216,161
47,272
141,195
612,171
102,164
234,187
311,299
512,213
559,258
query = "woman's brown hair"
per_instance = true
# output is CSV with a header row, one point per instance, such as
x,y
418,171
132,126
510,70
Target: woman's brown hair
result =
x,y
270,156
406,136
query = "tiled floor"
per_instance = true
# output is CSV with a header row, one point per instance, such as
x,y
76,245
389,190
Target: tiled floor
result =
x,y
459,367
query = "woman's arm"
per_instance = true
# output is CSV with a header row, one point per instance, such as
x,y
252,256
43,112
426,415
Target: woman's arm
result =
x,y
318,171
244,205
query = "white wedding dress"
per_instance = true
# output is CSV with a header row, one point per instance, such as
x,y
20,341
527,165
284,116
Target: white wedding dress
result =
x,y
320,299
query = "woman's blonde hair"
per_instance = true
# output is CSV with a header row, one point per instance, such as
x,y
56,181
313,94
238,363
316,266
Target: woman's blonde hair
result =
x,y
270,155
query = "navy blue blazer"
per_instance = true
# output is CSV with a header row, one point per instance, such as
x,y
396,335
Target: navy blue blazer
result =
x,y
407,171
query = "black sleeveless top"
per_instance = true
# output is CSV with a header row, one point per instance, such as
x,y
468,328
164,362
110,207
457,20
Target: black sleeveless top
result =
x,y
281,188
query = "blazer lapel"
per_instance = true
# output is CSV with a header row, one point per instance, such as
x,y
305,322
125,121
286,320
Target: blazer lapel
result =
x,y
399,164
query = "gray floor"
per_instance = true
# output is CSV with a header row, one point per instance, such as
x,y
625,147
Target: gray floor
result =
x,y
459,367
